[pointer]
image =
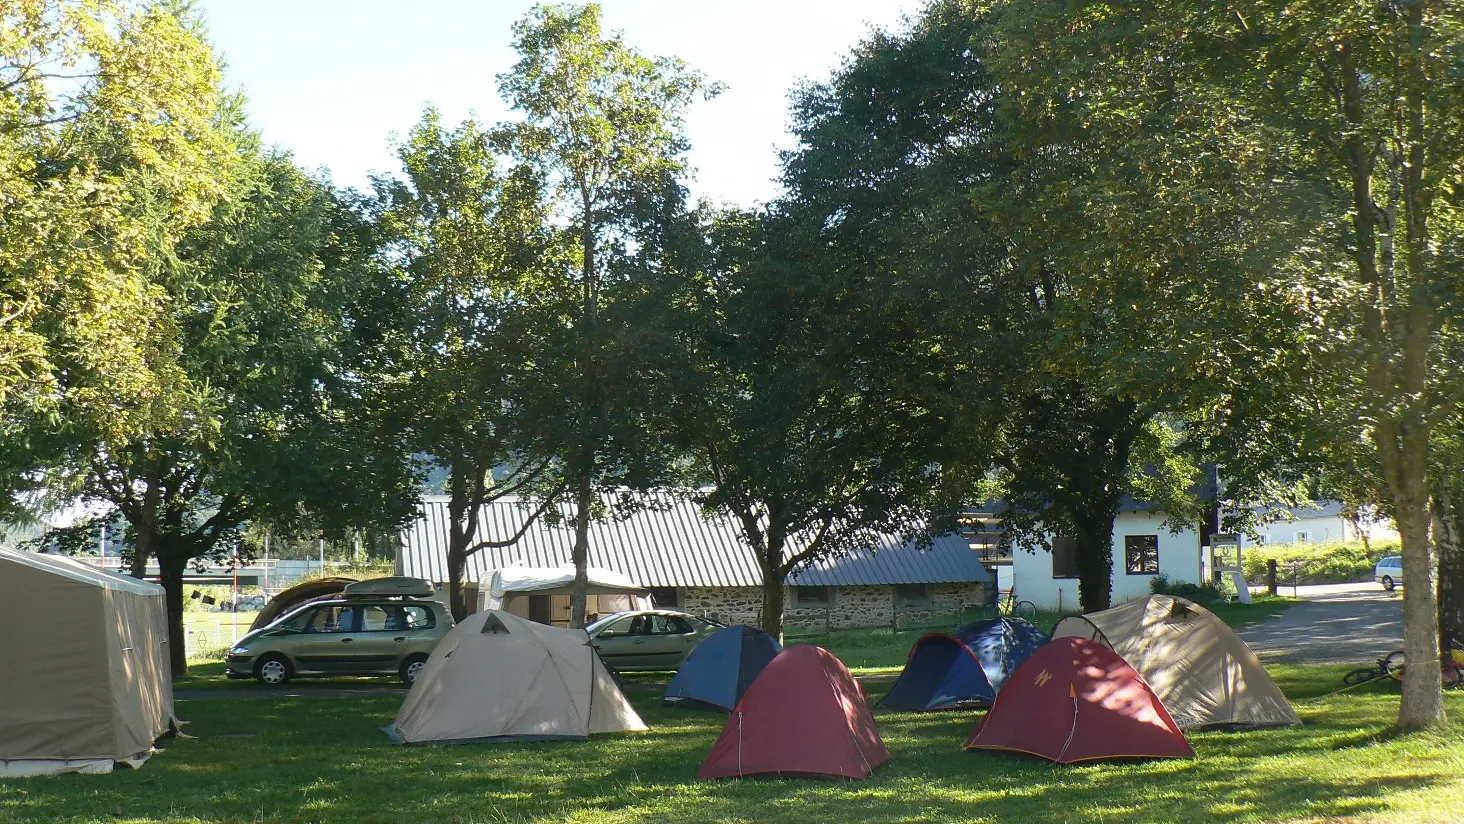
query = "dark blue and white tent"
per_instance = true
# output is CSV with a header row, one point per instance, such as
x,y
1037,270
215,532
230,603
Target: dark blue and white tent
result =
x,y
965,669
721,668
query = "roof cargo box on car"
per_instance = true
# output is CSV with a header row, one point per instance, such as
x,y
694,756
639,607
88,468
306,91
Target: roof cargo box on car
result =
x,y
394,586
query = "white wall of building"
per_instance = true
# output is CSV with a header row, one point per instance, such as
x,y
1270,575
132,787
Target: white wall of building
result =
x,y
1317,529
1306,530
1179,559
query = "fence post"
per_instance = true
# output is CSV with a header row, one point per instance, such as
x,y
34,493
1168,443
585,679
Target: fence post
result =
x,y
1271,576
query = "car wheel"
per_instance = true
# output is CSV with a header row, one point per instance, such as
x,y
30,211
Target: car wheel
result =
x,y
273,670
1388,583
412,667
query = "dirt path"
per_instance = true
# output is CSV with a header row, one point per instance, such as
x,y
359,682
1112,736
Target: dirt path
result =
x,y
1338,624
305,690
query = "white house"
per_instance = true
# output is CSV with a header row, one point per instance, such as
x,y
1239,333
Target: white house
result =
x,y
1142,548
1320,525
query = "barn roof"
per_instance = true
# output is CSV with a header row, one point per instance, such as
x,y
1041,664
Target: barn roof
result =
x,y
670,542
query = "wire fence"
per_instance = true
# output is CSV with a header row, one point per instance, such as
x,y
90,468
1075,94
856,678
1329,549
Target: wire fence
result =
x,y
209,635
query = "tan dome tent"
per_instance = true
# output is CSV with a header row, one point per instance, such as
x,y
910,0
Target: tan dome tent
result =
x,y
1205,675
86,682
499,677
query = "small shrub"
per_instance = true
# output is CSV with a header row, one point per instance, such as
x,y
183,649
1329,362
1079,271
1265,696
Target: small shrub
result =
x,y
1206,593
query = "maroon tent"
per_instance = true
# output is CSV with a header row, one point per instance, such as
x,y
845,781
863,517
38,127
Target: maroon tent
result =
x,y
1077,700
805,714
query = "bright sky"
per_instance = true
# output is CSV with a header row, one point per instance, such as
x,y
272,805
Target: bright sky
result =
x,y
333,79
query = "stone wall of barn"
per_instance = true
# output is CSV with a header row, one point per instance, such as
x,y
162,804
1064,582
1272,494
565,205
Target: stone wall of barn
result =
x,y
848,608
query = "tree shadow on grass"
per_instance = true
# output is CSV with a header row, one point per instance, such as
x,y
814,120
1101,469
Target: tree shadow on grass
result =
x,y
324,760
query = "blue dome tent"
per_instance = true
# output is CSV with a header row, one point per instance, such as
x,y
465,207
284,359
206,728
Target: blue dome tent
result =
x,y
963,669
720,669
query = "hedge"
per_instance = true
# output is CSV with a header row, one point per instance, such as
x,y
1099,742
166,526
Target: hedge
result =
x,y
1336,562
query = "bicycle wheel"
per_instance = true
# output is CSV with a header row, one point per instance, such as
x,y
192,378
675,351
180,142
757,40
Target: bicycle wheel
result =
x,y
1026,610
1451,678
991,610
1393,665
1359,676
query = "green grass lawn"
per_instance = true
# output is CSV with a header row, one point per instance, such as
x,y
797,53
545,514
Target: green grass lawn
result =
x,y
324,759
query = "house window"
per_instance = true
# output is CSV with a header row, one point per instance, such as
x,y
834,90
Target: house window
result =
x,y
665,597
914,594
1064,558
812,596
1301,538
1141,554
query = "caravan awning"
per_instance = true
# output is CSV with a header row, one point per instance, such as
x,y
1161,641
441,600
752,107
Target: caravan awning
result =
x,y
557,581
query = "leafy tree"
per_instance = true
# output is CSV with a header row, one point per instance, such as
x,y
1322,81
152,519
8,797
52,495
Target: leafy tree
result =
x,y
108,153
603,123
1057,365
480,296
1338,114
264,426
792,412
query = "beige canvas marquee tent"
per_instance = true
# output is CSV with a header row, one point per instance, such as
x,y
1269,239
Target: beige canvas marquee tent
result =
x,y
1205,675
499,677
87,681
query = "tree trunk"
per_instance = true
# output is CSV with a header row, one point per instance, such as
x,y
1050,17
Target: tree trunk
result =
x,y
1448,535
461,529
145,530
1423,699
580,597
139,557
1093,546
145,524
171,567
457,560
771,619
588,415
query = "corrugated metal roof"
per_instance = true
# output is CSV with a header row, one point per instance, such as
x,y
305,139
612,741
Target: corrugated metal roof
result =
x,y
670,543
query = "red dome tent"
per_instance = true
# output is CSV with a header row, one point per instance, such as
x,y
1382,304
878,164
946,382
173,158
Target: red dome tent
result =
x,y
1077,700
805,714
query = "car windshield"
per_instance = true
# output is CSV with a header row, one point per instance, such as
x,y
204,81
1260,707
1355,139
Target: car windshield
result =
x,y
295,618
600,624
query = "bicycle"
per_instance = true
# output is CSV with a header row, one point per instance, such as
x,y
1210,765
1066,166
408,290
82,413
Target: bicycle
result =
x,y
1010,607
1451,667
1385,667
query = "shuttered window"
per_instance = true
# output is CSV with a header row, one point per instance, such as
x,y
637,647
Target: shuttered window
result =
x,y
1064,558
